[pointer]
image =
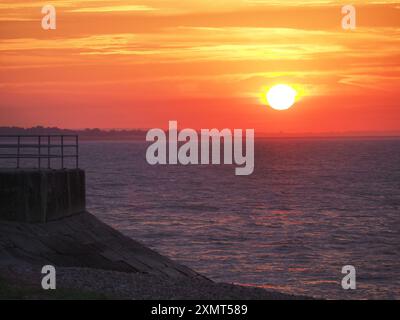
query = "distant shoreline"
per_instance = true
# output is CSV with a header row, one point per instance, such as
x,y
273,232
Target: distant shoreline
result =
x,y
96,134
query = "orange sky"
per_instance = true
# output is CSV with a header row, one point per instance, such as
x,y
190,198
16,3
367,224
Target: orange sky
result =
x,y
139,64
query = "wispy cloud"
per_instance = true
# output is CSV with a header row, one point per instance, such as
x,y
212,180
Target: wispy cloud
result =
x,y
121,8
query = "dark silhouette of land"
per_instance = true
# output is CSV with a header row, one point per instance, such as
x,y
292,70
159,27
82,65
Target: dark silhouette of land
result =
x,y
140,134
84,134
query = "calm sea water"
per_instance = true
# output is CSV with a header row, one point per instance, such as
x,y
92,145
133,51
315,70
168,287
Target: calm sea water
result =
x,y
310,207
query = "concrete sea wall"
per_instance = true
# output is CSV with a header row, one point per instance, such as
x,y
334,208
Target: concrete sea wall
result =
x,y
43,220
41,195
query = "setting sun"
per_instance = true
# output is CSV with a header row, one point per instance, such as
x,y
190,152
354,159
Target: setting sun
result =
x,y
281,97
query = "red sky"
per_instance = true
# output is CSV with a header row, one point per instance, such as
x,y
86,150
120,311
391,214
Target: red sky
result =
x,y
139,64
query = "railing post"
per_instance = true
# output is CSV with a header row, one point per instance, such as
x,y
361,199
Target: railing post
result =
x,y
39,151
18,138
77,151
48,152
62,152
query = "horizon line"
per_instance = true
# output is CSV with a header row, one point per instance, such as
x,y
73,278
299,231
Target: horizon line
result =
x,y
282,134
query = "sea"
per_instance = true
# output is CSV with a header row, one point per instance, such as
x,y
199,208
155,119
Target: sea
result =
x,y
311,207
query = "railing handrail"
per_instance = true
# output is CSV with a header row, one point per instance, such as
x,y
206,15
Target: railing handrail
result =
x,y
36,135
40,144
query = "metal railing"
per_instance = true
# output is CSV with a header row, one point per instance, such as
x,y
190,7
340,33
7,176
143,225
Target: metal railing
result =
x,y
44,146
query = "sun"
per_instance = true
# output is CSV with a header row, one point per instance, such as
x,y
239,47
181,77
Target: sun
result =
x,y
281,97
